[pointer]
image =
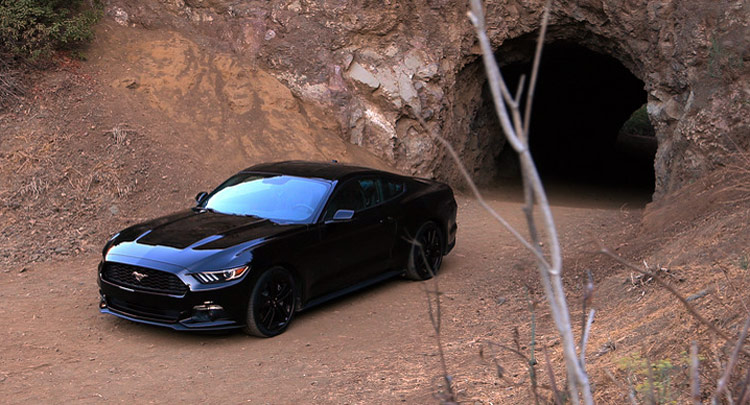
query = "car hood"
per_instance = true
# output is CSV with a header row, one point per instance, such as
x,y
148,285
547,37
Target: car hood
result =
x,y
191,239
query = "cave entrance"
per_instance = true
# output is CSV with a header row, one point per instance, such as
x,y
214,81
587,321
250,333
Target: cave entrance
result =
x,y
589,124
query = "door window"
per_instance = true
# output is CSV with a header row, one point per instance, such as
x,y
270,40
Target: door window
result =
x,y
356,195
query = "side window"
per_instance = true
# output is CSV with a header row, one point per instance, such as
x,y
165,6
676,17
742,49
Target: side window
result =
x,y
392,188
356,195
349,197
371,189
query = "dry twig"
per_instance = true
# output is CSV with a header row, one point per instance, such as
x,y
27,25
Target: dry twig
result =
x,y
695,380
516,132
435,313
11,84
551,372
721,387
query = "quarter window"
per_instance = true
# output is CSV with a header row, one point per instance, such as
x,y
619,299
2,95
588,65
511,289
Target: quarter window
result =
x,y
392,188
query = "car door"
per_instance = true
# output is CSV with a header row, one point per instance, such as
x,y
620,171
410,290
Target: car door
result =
x,y
392,213
356,249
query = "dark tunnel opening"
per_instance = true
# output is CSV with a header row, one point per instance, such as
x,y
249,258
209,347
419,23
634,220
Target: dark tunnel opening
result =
x,y
589,124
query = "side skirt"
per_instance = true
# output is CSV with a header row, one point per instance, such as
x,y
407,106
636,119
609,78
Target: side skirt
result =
x,y
350,289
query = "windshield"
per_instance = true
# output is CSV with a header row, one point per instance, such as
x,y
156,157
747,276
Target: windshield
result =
x,y
276,197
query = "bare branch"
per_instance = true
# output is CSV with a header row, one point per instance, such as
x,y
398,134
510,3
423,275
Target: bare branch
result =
x,y
585,337
500,93
519,89
629,387
588,294
733,287
631,392
722,385
532,348
510,349
551,372
650,375
745,393
535,69
549,270
695,381
435,314
474,190
497,84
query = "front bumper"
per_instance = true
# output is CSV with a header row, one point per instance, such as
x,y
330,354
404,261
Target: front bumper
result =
x,y
193,311
181,326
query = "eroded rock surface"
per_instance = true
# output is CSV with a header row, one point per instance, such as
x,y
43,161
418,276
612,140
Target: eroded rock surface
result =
x,y
375,64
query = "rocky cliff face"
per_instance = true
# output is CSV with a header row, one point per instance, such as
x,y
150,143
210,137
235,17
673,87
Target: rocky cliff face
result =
x,y
375,64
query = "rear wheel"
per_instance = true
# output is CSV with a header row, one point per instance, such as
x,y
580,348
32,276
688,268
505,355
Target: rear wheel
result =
x,y
272,303
426,252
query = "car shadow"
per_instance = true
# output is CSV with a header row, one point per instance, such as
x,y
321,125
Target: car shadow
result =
x,y
339,304
157,333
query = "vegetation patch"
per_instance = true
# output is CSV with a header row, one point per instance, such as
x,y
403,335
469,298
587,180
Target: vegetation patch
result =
x,y
638,124
650,382
31,29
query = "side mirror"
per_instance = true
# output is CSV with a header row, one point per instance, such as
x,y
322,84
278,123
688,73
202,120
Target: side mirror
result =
x,y
343,215
200,197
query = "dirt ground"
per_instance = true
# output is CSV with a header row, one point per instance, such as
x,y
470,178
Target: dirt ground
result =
x,y
152,118
373,346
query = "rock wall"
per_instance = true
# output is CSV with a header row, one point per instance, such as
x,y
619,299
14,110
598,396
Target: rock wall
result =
x,y
374,64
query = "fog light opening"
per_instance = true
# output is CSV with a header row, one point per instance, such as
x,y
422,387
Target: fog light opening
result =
x,y
207,312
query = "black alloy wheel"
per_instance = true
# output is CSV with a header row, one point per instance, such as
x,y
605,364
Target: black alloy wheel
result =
x,y
272,303
426,253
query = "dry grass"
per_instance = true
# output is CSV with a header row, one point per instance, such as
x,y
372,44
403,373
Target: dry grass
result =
x,y
120,133
34,188
12,88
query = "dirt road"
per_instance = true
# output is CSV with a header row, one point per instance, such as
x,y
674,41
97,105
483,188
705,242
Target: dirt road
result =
x,y
104,146
154,117
375,346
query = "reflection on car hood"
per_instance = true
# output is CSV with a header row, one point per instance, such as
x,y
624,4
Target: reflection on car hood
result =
x,y
187,238
200,231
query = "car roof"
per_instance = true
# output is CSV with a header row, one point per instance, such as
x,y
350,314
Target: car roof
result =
x,y
322,170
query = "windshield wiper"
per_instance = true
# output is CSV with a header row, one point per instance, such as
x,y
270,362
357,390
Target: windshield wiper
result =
x,y
252,216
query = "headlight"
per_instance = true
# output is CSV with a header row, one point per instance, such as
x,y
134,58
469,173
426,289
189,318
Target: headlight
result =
x,y
218,276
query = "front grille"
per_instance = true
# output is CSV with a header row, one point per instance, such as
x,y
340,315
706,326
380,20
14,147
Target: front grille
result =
x,y
143,312
150,280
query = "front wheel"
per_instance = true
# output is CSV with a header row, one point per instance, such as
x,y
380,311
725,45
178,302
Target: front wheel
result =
x,y
272,303
426,252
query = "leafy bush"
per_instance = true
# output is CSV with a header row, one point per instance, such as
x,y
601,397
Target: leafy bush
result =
x,y
33,28
651,382
638,123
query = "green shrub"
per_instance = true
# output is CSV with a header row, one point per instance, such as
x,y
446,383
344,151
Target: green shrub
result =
x,y
654,382
33,28
638,123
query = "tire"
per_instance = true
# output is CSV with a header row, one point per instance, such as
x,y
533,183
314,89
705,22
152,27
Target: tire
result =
x,y
428,244
272,303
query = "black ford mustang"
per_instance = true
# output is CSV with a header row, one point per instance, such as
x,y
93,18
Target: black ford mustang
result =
x,y
275,239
